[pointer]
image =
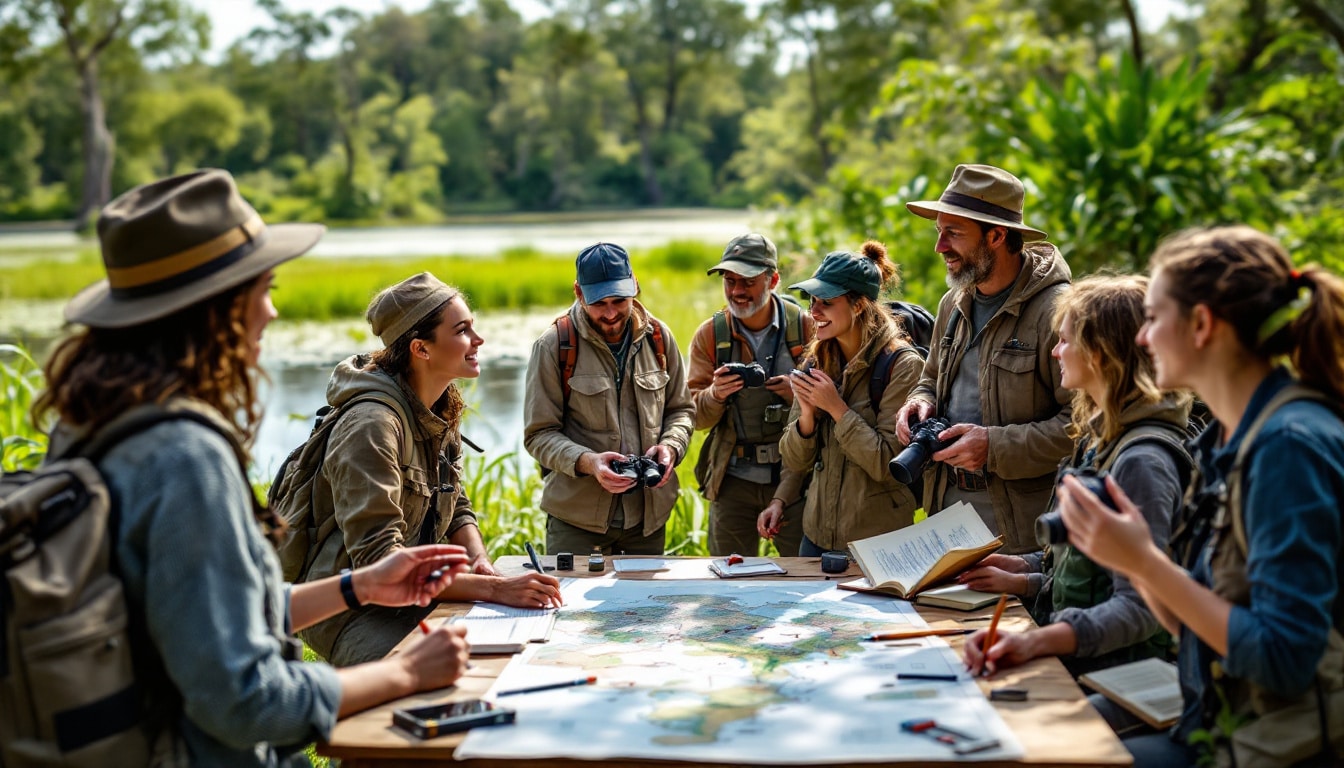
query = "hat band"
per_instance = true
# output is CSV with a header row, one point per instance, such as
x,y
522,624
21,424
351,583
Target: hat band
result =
x,y
195,269
981,206
155,272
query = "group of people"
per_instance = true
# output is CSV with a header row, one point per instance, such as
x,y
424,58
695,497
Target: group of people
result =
x,y
806,404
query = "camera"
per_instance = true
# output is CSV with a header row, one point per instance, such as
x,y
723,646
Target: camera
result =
x,y
643,470
909,464
752,374
1050,526
804,370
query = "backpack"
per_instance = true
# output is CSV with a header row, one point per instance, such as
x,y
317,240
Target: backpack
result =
x,y
793,331
916,321
569,350
291,494
72,681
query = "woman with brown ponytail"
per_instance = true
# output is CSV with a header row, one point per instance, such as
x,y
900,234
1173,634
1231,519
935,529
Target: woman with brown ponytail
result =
x,y
1255,594
837,432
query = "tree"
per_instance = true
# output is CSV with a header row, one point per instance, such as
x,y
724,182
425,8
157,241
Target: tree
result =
x,y
87,29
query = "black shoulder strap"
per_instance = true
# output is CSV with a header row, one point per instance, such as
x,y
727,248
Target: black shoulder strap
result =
x,y
882,367
723,338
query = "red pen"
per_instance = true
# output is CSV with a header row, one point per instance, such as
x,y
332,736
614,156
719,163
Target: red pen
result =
x,y
424,627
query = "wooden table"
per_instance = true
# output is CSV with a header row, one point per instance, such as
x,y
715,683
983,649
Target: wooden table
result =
x,y
1056,725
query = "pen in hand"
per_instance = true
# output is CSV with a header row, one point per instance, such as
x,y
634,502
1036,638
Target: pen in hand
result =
x,y
992,631
532,553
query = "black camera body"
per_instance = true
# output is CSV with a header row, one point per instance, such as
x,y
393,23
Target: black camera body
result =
x,y
1050,527
643,470
909,464
752,374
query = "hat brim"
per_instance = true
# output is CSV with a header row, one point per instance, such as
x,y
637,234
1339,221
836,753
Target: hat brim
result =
x,y
738,268
930,209
624,288
819,288
97,307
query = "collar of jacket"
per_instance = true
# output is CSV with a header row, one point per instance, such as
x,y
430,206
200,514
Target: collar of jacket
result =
x,y
1042,267
640,320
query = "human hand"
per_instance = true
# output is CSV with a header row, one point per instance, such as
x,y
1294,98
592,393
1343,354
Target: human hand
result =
x,y
437,659
780,385
970,451
817,389
530,590
987,578
725,384
914,411
768,522
481,564
1009,650
663,455
404,576
599,466
1117,539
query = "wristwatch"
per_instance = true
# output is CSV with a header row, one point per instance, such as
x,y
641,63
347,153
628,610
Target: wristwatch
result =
x,y
348,589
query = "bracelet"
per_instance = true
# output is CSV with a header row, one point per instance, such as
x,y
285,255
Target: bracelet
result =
x,y
348,589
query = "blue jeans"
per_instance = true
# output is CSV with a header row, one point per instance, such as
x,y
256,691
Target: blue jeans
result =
x,y
1158,750
809,548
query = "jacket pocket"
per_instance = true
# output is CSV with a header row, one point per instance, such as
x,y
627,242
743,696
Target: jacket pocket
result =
x,y
1021,398
588,398
650,387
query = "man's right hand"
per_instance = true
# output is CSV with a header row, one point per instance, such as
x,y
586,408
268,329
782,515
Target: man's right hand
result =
x,y
725,384
913,412
599,466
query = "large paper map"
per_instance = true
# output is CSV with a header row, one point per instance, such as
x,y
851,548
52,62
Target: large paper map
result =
x,y
759,672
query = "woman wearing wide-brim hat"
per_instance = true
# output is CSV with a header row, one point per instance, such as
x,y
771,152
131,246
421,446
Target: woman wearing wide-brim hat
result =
x,y
841,432
175,332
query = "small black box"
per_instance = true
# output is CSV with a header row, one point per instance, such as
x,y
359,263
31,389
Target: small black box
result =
x,y
834,562
564,561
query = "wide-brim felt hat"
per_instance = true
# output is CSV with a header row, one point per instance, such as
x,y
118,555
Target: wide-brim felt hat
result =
x,y
983,193
172,243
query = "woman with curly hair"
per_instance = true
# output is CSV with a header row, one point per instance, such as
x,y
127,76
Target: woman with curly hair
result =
x,y
173,336
836,430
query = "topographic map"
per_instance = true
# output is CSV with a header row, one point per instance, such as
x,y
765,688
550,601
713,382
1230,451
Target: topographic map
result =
x,y
725,671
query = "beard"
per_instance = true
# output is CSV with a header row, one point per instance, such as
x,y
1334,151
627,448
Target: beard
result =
x,y
742,313
977,266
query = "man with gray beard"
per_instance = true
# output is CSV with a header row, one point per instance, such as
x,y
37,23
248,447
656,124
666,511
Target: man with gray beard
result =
x,y
746,411
990,373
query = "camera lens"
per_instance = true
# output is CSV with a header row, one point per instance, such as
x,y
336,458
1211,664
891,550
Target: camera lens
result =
x,y
1050,529
909,464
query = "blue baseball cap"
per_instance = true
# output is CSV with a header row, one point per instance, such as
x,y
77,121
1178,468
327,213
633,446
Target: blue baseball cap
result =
x,y
604,271
841,272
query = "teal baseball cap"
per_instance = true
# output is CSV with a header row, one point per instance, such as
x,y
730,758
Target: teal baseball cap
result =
x,y
841,272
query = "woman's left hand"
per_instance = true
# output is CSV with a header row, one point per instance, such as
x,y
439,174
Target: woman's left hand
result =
x,y
818,390
481,564
1117,539
405,577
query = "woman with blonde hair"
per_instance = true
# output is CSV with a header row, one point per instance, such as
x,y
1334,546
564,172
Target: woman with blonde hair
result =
x,y
1125,425
836,430
1255,597
171,343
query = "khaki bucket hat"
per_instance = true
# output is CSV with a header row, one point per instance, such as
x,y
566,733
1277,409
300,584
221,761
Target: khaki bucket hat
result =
x,y
171,243
983,193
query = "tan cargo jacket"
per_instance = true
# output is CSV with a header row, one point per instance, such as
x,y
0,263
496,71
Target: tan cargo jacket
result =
x,y
713,415
1025,408
853,495
652,407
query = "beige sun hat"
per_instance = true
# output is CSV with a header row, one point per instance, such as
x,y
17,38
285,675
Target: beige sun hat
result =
x,y
172,243
983,193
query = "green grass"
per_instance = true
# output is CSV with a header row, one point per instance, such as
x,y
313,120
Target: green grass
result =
x,y
22,445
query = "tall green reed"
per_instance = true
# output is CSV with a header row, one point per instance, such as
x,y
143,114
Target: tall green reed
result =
x,y
22,444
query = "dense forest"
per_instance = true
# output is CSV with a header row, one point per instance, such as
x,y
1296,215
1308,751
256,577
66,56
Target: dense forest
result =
x,y
833,111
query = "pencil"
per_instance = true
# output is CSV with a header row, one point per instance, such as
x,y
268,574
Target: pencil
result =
x,y
424,627
550,686
994,627
905,634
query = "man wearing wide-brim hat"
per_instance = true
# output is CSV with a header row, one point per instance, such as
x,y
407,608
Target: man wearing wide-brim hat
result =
x,y
992,375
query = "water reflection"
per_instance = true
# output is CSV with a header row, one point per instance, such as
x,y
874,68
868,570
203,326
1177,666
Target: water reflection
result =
x,y
494,418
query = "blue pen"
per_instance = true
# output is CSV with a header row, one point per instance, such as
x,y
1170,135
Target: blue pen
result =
x,y
532,553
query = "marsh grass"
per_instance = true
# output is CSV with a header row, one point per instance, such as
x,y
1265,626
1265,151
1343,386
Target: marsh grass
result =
x,y
22,445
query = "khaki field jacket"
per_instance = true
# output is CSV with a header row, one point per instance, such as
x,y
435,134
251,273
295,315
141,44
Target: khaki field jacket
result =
x,y
652,407
1025,408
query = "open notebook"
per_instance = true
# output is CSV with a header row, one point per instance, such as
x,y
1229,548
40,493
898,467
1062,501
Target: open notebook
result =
x,y
493,628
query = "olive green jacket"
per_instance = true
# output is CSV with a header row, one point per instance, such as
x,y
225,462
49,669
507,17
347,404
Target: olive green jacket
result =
x,y
1025,409
652,408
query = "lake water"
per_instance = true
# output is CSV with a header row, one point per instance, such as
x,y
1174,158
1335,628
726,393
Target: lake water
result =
x,y
299,356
